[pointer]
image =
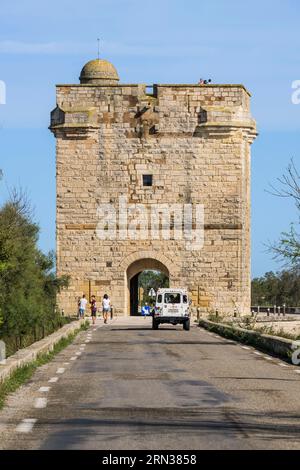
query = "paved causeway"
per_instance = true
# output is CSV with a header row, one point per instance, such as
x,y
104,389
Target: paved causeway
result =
x,y
124,386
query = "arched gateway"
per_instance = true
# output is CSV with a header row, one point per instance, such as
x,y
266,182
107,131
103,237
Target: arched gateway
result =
x,y
138,171
135,264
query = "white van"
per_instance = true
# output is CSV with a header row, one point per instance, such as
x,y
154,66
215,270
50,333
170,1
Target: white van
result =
x,y
172,306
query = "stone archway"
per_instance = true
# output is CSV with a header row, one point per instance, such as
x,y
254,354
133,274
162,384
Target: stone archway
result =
x,y
132,275
141,261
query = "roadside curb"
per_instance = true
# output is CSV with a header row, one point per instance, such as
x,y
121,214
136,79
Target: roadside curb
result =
x,y
276,345
45,345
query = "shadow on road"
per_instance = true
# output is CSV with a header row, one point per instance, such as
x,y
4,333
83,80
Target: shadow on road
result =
x,y
213,428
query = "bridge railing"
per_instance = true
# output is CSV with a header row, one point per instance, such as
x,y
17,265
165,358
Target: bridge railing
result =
x,y
276,310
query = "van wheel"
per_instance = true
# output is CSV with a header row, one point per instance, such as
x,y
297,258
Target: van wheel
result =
x,y
186,325
154,324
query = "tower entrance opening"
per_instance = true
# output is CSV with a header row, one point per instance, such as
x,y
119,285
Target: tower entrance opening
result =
x,y
144,277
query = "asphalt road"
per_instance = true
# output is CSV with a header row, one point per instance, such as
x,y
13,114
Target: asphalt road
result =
x,y
133,388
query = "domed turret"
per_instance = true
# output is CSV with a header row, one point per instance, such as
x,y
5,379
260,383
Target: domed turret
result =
x,y
99,72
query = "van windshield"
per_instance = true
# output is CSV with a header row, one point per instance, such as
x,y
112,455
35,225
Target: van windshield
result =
x,y
172,298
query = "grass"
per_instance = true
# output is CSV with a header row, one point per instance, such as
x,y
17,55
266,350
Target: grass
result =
x,y
16,342
250,337
250,323
24,373
229,332
270,330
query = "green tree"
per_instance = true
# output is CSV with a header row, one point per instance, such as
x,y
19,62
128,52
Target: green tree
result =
x,y
277,288
288,246
152,279
28,285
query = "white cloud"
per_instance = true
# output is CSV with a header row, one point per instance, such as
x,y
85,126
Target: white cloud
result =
x,y
2,95
109,48
19,47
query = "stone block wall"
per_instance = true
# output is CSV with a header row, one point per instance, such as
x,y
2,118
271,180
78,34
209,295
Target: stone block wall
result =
x,y
195,142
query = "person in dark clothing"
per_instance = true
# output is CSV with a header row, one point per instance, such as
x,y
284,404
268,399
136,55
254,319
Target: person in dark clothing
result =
x,y
93,309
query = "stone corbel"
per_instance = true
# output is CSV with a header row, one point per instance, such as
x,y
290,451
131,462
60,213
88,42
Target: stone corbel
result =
x,y
219,121
79,122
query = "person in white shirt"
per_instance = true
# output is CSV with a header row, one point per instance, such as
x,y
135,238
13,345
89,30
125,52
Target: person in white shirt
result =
x,y
106,307
82,306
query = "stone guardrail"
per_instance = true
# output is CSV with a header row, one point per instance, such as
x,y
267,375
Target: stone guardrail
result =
x,y
276,345
45,345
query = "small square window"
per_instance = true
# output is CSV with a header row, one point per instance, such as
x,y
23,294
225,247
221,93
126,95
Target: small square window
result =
x,y
147,180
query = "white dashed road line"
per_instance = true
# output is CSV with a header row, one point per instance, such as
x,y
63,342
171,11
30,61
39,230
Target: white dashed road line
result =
x,y
40,402
268,358
53,379
26,425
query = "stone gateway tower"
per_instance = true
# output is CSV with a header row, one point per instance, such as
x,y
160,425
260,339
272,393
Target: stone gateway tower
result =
x,y
167,147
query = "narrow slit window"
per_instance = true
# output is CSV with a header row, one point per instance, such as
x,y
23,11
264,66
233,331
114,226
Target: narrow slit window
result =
x,y
147,180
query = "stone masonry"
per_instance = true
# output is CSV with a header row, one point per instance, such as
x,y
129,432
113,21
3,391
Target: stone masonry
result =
x,y
195,142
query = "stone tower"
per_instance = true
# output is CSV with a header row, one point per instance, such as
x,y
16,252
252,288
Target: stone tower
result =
x,y
168,145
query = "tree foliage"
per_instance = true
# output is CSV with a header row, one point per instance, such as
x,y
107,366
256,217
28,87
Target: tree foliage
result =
x,y
152,279
28,285
288,246
277,289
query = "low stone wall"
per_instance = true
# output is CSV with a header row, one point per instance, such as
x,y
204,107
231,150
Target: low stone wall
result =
x,y
27,355
276,345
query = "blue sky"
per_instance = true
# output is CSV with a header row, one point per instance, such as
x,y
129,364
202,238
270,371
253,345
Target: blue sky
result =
x,y
257,44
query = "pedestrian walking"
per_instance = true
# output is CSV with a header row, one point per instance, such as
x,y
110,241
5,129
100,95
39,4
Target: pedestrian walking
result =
x,y
105,307
145,310
78,307
93,309
82,306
